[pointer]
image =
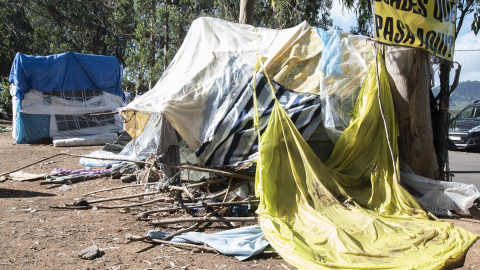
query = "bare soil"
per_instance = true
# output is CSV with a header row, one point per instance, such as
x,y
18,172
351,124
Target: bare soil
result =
x,y
35,236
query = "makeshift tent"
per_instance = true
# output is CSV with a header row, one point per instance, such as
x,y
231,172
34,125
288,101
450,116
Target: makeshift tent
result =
x,y
55,96
331,194
211,106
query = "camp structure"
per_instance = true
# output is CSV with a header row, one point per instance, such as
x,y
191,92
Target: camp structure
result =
x,y
206,93
70,97
311,112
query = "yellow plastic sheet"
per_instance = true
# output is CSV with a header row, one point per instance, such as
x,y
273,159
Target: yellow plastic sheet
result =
x,y
349,213
135,122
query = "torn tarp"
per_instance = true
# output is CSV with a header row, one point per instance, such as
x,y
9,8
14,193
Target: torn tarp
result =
x,y
230,137
349,212
439,197
242,243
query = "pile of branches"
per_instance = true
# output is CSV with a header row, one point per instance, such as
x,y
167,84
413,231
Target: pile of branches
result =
x,y
187,206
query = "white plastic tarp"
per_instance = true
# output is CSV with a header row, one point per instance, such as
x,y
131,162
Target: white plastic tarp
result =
x,y
183,92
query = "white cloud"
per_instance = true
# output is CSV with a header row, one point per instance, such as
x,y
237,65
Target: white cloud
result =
x,y
469,60
342,17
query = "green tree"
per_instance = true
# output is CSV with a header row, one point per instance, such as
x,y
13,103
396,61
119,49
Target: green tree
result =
x,y
16,34
94,27
282,14
160,27
5,99
143,34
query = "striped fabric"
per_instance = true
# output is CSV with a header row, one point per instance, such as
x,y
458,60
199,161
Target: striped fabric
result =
x,y
233,141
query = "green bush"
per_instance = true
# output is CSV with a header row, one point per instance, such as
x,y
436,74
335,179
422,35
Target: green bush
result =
x,y
5,99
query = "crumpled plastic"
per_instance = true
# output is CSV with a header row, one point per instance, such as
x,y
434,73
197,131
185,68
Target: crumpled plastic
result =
x,y
439,197
243,242
350,212
87,170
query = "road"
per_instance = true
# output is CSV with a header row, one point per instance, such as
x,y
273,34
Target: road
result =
x,y
466,167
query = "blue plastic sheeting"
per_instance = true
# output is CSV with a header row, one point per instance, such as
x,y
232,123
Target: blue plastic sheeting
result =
x,y
32,127
332,52
66,71
242,243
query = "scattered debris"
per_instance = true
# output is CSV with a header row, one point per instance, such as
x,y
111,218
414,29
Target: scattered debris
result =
x,y
90,253
23,176
63,176
5,129
65,187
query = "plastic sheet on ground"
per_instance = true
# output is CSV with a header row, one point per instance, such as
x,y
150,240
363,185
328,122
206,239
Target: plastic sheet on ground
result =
x,y
438,196
23,176
243,242
137,149
86,140
349,212
106,159
60,176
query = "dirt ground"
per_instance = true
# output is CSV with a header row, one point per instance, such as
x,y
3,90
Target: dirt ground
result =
x,y
35,236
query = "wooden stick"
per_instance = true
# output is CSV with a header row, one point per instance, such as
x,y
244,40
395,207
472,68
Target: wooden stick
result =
x,y
215,171
131,205
72,207
103,114
146,213
191,228
133,185
147,175
133,238
30,164
218,194
122,197
228,189
182,245
206,182
188,193
114,188
164,199
204,219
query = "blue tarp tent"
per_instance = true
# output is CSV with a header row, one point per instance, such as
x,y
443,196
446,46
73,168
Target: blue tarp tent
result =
x,y
54,95
66,71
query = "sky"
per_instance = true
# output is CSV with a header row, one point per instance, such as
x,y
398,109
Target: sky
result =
x,y
466,40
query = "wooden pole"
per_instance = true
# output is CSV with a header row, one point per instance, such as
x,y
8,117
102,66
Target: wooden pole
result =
x,y
146,213
204,219
181,245
214,171
30,164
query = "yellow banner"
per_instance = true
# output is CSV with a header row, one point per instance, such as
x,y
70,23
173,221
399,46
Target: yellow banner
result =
x,y
426,24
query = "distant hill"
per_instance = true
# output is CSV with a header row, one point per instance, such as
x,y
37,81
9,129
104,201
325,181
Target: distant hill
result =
x,y
465,93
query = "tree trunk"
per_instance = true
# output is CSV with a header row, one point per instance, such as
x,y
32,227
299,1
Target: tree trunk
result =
x,y
153,45
442,132
246,11
138,83
166,40
409,75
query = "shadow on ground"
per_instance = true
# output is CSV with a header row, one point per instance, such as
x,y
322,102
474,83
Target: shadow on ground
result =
x,y
14,193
